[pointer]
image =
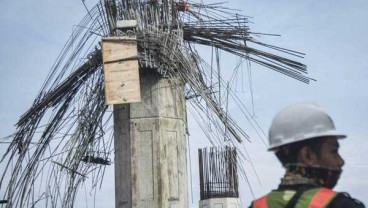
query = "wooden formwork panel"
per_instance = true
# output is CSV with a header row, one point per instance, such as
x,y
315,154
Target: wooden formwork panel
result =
x,y
121,70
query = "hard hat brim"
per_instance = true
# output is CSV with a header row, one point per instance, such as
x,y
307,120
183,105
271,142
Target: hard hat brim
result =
x,y
332,133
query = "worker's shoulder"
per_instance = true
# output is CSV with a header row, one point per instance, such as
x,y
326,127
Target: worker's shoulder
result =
x,y
343,199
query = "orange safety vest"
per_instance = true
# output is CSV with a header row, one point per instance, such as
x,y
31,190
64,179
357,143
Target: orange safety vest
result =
x,y
313,198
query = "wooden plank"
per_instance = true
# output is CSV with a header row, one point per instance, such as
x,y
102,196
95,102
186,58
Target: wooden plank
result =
x,y
121,70
118,48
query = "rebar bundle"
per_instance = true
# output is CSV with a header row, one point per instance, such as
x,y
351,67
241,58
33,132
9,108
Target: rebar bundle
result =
x,y
64,139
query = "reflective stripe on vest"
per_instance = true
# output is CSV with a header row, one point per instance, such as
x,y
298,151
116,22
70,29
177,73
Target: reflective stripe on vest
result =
x,y
319,199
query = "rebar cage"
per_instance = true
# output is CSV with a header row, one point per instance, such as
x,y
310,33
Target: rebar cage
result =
x,y
218,172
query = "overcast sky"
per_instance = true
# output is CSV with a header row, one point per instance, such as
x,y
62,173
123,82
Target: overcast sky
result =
x,y
333,34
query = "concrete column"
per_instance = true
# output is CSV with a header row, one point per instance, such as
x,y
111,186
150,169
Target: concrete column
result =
x,y
220,203
150,147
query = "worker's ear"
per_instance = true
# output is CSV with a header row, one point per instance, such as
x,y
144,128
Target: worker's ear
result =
x,y
307,156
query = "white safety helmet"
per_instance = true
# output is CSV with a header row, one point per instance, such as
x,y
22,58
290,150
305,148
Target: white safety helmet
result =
x,y
300,122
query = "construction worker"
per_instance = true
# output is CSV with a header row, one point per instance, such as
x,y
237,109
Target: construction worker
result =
x,y
305,141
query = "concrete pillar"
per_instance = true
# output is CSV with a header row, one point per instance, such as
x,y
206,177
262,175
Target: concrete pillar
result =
x,y
150,147
220,203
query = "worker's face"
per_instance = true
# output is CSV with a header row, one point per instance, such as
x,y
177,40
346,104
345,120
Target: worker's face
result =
x,y
329,156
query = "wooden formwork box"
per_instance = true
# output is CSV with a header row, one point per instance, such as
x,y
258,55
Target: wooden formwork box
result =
x,y
121,70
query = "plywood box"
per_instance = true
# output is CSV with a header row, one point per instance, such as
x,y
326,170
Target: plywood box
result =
x,y
121,70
